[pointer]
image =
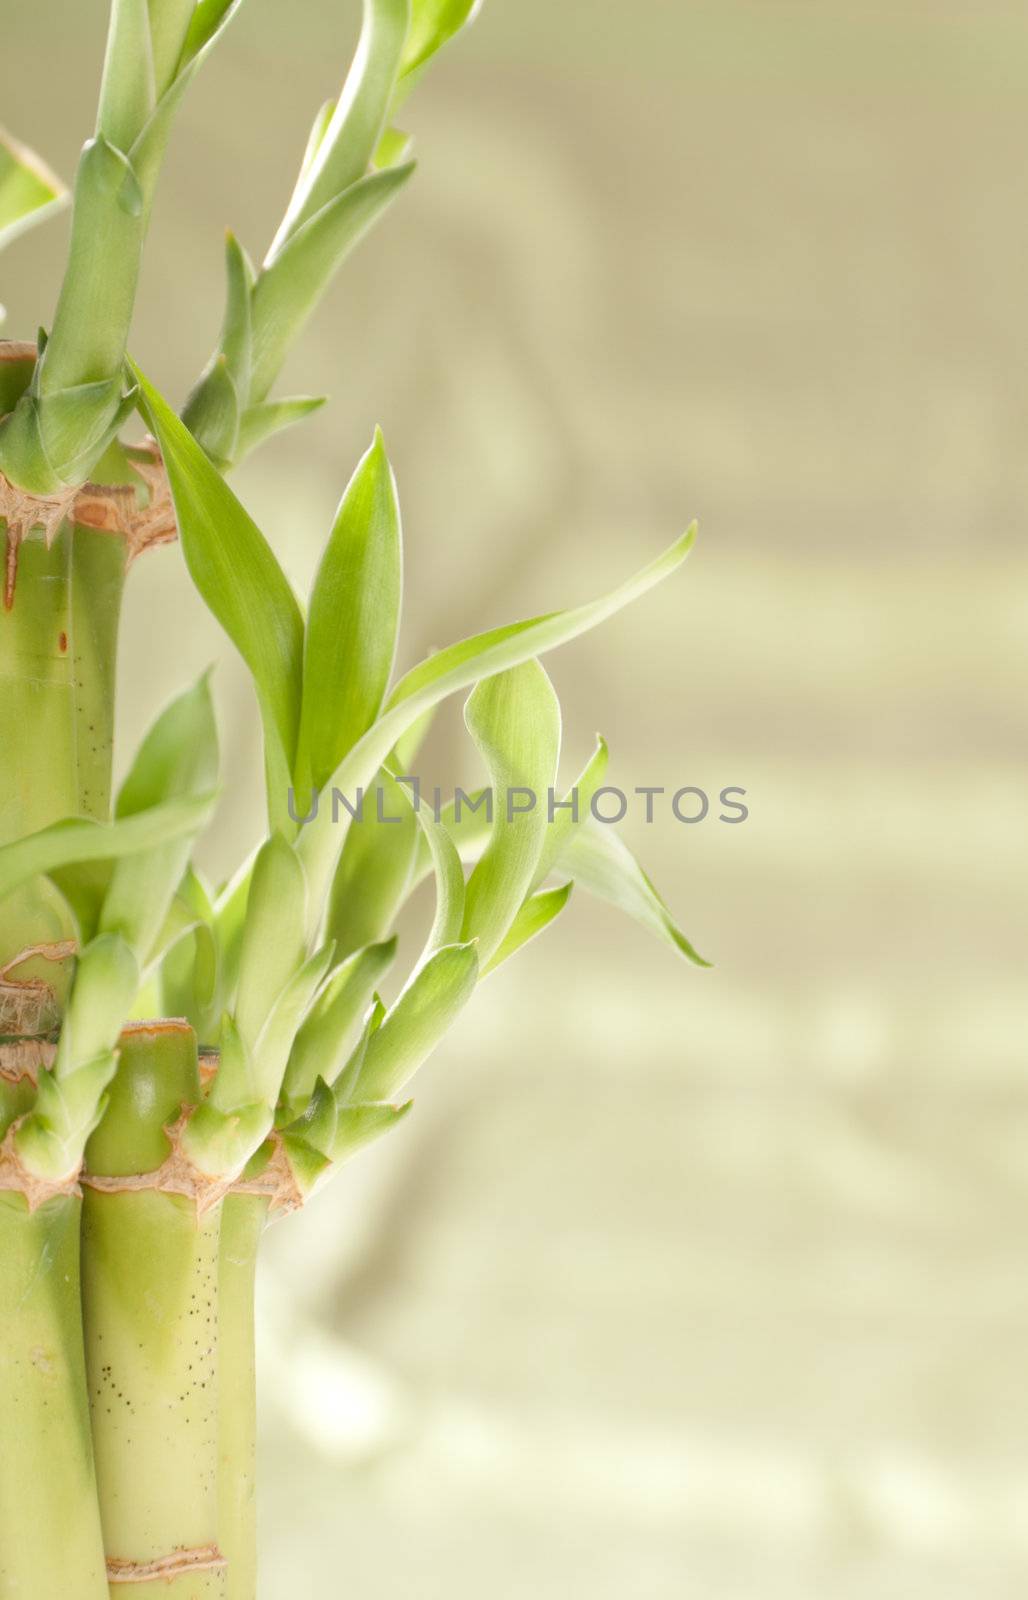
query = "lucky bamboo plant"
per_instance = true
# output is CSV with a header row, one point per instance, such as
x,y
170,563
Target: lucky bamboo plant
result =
x,y
182,1063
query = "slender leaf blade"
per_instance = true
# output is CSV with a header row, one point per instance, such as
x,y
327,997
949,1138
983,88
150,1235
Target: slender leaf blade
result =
x,y
373,876
274,945
236,573
178,758
534,916
456,668
80,839
297,275
600,860
414,1025
327,1035
346,145
433,23
514,718
29,191
353,620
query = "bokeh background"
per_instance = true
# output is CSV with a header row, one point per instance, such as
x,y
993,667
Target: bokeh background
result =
x,y
675,1284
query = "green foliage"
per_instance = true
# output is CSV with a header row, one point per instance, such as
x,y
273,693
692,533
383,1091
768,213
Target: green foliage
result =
x,y
433,23
458,667
533,917
237,575
514,718
352,623
327,1035
281,966
601,862
412,1027
354,166
29,191
274,936
50,1141
177,759
79,399
373,877
75,840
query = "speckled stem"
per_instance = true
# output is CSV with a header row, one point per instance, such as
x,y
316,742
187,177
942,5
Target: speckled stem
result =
x,y
150,1301
243,1221
51,1546
58,644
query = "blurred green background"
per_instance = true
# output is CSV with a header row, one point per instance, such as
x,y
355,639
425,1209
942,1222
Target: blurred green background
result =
x,y
676,1283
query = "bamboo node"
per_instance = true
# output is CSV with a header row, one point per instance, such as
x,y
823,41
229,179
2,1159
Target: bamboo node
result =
x,y
29,1005
177,1175
198,1558
114,509
109,508
17,1179
21,512
25,1058
276,1181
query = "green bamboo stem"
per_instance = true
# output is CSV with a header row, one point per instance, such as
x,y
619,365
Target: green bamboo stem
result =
x,y
243,1220
38,739
58,649
50,1540
37,687
99,565
150,1298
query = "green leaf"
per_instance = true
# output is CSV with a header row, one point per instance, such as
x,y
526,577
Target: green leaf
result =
x,y
600,860
209,19
50,1141
271,1052
433,22
106,979
394,148
237,574
259,422
229,926
573,811
180,921
127,90
237,332
78,839
296,275
214,411
170,23
514,718
190,968
273,943
414,1025
327,1133
353,621
451,894
234,1082
348,143
373,876
29,191
408,745
327,1035
358,1125
536,914
178,759
84,885
319,127
455,668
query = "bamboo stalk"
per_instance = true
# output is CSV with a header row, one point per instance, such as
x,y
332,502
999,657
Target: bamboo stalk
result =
x,y
52,1547
242,1224
150,1297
